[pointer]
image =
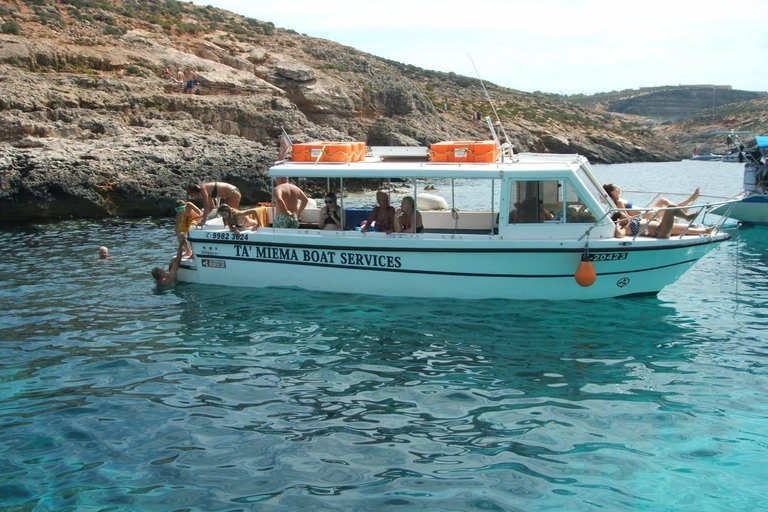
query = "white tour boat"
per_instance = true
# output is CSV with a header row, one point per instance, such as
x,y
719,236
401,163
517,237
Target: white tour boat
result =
x,y
751,206
504,251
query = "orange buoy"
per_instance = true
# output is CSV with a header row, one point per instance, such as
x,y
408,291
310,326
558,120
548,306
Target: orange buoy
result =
x,y
585,273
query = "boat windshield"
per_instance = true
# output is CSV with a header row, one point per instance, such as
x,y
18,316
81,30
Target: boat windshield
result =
x,y
594,187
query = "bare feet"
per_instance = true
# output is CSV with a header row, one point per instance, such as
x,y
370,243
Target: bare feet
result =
x,y
691,199
696,194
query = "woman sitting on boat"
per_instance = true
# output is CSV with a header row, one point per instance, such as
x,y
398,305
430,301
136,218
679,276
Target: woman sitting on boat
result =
x,y
383,215
664,228
331,216
236,219
404,217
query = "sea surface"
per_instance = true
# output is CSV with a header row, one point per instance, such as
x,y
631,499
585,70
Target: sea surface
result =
x,y
115,395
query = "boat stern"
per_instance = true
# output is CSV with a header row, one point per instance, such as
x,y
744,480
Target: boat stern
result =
x,y
188,271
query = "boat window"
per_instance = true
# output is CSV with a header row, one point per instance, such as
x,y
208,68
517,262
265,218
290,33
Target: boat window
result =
x,y
534,201
546,201
578,212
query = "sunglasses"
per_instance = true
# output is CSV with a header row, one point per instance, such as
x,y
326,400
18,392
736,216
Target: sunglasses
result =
x,y
328,202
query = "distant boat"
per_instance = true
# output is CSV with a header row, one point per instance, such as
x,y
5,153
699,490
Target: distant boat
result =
x,y
752,204
735,155
708,157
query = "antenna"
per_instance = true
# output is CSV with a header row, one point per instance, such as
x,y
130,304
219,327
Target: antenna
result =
x,y
488,97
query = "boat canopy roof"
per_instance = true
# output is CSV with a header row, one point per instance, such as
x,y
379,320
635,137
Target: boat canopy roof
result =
x,y
524,165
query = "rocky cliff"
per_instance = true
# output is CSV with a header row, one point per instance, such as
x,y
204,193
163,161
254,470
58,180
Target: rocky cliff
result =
x,y
90,126
671,104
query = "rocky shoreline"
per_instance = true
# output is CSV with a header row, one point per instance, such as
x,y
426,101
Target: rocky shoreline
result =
x,y
89,127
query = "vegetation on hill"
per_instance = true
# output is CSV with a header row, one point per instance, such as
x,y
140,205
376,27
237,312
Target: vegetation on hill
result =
x,y
380,92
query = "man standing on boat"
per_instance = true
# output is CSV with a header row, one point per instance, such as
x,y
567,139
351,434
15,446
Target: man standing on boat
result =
x,y
290,201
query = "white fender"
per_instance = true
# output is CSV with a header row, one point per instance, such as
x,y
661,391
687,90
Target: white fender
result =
x,y
431,202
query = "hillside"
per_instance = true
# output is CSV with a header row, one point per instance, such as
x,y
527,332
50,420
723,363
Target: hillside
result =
x,y
696,133
668,104
90,126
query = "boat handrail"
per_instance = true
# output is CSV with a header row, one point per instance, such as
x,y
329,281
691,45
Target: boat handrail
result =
x,y
597,223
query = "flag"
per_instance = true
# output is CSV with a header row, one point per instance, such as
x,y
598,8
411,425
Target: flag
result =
x,y
285,146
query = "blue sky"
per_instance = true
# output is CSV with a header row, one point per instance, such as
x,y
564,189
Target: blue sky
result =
x,y
554,46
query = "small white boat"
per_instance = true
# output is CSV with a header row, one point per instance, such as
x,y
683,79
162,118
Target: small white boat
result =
x,y
751,206
503,251
734,156
707,157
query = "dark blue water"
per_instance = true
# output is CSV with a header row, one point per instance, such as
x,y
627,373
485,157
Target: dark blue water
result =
x,y
117,396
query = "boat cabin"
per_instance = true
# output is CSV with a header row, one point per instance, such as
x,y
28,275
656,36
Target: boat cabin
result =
x,y
528,195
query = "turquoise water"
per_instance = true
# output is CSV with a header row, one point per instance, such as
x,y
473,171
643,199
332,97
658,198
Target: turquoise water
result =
x,y
117,396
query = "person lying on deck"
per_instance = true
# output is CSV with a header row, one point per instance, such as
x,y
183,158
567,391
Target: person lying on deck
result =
x,y
236,219
663,228
615,192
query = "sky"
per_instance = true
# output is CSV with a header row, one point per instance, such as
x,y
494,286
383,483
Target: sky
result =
x,y
555,46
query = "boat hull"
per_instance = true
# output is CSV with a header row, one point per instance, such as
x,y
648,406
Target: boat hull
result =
x,y
750,209
468,267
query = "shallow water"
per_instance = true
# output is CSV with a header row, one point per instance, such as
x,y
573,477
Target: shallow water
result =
x,y
117,396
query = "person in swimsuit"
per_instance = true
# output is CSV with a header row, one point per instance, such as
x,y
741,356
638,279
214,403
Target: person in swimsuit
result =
x,y
210,192
187,215
404,217
168,278
238,219
663,228
290,201
189,78
103,253
331,216
615,192
383,214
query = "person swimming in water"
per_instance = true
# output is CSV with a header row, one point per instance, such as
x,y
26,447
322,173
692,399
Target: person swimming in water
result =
x,y
164,277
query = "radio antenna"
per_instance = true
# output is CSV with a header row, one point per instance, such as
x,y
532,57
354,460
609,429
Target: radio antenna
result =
x,y
490,102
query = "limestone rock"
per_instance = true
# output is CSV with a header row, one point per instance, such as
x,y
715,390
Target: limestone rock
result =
x,y
295,71
91,127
